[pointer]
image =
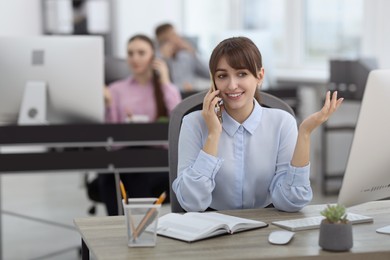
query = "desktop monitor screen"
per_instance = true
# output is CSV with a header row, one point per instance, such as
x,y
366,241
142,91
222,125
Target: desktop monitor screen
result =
x,y
71,69
367,175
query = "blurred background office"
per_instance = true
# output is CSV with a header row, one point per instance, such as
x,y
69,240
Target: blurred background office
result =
x,y
302,42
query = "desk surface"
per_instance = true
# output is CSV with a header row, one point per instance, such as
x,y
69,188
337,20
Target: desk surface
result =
x,y
106,238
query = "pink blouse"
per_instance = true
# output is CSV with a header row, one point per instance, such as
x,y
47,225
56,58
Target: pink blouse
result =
x,y
129,98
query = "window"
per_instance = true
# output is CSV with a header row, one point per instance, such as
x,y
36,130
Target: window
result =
x,y
267,15
304,33
333,28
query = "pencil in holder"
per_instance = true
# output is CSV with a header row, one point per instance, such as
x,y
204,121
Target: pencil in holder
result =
x,y
141,221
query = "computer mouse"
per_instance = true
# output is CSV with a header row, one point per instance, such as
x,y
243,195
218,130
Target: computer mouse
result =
x,y
280,237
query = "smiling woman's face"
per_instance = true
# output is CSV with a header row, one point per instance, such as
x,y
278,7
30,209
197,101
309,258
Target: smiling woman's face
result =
x,y
237,87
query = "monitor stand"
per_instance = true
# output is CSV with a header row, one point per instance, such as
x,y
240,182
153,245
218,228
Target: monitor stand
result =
x,y
33,108
32,112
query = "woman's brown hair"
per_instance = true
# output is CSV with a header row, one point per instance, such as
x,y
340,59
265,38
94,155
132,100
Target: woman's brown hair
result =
x,y
158,93
240,53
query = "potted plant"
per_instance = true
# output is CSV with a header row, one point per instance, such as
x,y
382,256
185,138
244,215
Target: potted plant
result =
x,y
335,229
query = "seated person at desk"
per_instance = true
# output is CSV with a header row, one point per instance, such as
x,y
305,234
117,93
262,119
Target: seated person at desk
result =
x,y
183,61
255,156
147,94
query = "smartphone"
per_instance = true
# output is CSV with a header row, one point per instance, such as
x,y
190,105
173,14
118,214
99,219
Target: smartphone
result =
x,y
217,107
156,73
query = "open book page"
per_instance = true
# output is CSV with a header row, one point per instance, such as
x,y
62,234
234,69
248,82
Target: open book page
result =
x,y
188,228
235,224
194,226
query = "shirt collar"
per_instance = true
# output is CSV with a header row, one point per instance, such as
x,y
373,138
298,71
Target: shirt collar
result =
x,y
250,124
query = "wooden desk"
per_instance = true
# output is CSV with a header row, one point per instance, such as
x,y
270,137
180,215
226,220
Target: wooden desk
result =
x,y
105,237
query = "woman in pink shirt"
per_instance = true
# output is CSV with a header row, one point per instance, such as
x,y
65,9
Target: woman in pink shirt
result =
x,y
147,95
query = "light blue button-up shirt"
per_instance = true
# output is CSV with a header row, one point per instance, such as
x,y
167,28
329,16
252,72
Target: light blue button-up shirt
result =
x,y
252,169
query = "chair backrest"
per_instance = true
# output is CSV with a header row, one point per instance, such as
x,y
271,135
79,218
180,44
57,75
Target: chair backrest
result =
x,y
115,69
193,103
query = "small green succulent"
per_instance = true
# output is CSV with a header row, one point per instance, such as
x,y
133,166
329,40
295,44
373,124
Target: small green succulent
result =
x,y
335,214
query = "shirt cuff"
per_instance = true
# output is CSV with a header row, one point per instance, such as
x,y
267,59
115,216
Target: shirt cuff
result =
x,y
207,164
298,176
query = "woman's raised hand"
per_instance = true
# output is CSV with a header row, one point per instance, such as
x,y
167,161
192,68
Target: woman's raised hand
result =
x,y
331,104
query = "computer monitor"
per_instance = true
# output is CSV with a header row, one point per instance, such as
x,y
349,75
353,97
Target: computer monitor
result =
x,y
61,75
367,175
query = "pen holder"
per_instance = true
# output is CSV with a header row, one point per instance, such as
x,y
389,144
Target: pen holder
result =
x,y
141,221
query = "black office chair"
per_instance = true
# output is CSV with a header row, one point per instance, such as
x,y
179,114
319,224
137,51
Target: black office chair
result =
x,y
115,69
190,104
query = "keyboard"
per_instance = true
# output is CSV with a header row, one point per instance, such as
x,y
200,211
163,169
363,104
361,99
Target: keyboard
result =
x,y
314,222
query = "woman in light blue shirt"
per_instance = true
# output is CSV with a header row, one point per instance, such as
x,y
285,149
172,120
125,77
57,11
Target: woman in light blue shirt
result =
x,y
256,156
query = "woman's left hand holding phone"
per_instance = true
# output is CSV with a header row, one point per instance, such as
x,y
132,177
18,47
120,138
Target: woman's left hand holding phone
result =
x,y
213,124
162,69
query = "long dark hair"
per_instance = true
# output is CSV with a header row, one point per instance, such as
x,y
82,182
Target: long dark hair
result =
x,y
158,93
240,53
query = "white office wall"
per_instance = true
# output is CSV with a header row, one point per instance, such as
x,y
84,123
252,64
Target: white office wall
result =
x,y
98,17
58,16
207,20
135,16
20,17
376,39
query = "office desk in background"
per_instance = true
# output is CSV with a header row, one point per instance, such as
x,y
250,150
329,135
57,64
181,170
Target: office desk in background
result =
x,y
105,237
93,148
85,139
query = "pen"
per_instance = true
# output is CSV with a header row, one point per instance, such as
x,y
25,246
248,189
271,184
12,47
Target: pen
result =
x,y
149,215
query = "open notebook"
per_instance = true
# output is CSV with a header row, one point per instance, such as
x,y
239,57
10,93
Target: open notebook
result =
x,y
193,226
